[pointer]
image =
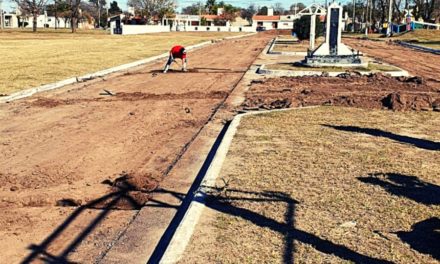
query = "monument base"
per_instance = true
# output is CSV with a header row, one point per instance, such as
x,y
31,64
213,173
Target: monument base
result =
x,y
334,61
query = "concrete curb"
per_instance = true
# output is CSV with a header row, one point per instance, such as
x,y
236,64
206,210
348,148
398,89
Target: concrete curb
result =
x,y
286,73
47,87
288,53
417,47
186,228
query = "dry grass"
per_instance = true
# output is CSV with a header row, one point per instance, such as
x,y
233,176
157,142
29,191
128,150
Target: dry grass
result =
x,y
296,47
303,190
421,35
30,60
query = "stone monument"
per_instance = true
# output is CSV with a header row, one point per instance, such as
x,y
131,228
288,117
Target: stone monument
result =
x,y
332,52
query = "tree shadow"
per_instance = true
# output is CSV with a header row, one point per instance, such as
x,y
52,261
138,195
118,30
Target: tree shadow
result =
x,y
416,142
424,237
120,199
222,200
406,186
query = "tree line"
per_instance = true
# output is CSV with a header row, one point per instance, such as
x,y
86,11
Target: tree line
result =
x,y
75,11
70,11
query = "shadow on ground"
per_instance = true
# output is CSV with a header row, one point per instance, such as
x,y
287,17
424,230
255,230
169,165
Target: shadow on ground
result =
x,y
416,142
124,197
424,237
221,200
406,186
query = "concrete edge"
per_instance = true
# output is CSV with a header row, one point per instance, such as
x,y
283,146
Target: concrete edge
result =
x,y
185,229
288,53
51,86
417,47
286,73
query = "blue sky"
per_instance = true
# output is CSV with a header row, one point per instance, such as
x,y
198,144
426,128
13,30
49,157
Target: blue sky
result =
x,y
9,5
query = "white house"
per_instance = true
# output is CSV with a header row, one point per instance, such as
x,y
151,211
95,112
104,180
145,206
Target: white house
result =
x,y
43,21
273,22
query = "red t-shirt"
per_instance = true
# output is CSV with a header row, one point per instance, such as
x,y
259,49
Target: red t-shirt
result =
x,y
175,51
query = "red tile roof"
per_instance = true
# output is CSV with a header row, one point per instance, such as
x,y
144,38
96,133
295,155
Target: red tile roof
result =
x,y
210,17
268,18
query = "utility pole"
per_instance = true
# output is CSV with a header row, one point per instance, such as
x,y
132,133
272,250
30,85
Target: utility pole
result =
x,y
354,16
99,14
390,15
366,19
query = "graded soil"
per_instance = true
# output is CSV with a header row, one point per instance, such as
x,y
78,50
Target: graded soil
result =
x,y
78,163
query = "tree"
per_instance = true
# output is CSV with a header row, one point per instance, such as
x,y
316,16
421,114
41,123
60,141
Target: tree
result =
x,y
299,7
98,10
262,11
248,13
74,14
151,8
114,9
31,7
210,6
194,9
278,9
302,27
58,9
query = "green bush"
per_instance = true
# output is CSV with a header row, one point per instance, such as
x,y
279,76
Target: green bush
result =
x,y
302,27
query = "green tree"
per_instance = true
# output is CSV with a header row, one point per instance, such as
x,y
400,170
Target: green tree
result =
x,y
58,9
211,6
114,9
248,13
262,11
302,27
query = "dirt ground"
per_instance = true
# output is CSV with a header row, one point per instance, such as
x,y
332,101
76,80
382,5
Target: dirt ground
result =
x,y
77,163
418,63
376,91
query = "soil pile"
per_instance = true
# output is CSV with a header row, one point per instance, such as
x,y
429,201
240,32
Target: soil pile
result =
x,y
374,91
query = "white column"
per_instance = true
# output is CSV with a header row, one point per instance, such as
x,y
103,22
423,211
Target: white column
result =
x,y
312,31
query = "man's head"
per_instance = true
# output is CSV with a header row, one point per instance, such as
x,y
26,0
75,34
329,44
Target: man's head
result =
x,y
182,51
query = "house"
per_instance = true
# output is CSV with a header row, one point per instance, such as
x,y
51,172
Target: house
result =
x,y
270,21
16,20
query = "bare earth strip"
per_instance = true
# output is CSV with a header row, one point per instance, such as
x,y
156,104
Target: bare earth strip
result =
x,y
75,147
423,64
326,185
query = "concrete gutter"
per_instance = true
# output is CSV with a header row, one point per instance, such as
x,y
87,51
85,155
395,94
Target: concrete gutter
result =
x,y
47,87
186,227
417,47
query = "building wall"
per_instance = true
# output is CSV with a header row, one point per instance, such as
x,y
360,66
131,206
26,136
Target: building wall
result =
x,y
144,29
269,24
11,21
43,21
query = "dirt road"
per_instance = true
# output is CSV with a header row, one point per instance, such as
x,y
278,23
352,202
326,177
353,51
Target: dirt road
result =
x,y
77,164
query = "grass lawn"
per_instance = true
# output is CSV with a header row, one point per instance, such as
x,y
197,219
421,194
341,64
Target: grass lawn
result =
x,y
30,60
326,185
